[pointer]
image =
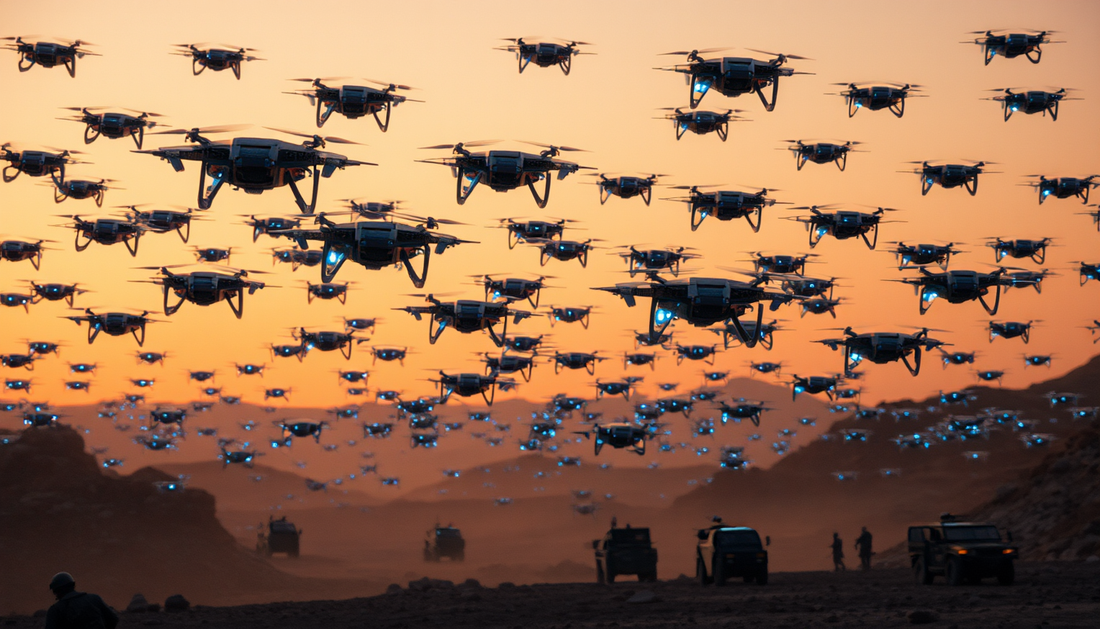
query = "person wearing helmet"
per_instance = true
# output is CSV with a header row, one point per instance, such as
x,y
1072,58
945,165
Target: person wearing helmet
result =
x,y
77,610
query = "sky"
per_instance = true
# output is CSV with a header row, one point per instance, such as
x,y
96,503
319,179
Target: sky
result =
x,y
608,106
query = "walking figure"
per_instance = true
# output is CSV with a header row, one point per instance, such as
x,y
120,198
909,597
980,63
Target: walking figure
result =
x,y
863,543
838,553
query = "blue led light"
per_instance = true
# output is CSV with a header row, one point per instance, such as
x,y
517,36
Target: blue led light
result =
x,y
663,316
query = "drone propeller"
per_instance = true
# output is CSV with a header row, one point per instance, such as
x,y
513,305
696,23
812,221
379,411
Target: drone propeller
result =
x,y
699,51
225,128
324,139
780,55
451,146
396,86
551,146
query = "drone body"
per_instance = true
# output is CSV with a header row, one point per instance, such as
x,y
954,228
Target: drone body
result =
x,y
522,231
626,187
618,435
467,385
883,347
576,360
466,316
205,288
107,231
1063,187
570,314
215,58
353,101
1036,250
113,125
922,254
957,287
36,163
564,250
48,54
702,122
327,341
81,189
545,54
1031,102
821,153
891,96
510,363
388,354
1010,330
113,324
646,260
1011,45
733,76
842,224
164,221
514,289
742,409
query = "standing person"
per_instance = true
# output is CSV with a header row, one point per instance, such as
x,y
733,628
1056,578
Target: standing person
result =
x,y
863,543
838,553
77,610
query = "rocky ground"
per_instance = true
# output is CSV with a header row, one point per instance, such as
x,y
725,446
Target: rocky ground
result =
x,y
1052,594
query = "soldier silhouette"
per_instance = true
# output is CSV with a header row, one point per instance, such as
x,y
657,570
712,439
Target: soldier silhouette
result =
x,y
838,553
863,543
77,610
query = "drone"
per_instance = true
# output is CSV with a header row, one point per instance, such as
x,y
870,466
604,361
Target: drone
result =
x,y
640,360
842,224
326,341
113,124
577,360
327,291
545,53
164,221
624,387
151,358
289,350
239,457
15,361
277,393
764,368
990,375
949,175
1037,360
742,409
81,189
466,316
205,56
957,287
249,369
626,186
48,54
19,250
1034,249
1030,102
361,324
82,367
56,292
702,122
705,353
733,76
205,288
1063,187
645,260
618,435
296,257
922,254
424,439
764,333
883,347
510,363
513,288
212,254
821,152
255,164
373,244
647,339
731,457
1011,45
701,302
377,430
301,429
820,305
37,163
167,415
15,300
808,287
468,384
563,250
114,324
17,385
780,264
876,96
503,170
1089,272
522,231
570,314
353,101
814,384
388,354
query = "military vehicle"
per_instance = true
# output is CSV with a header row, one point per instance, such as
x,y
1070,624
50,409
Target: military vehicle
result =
x,y
280,537
962,552
724,552
625,551
444,541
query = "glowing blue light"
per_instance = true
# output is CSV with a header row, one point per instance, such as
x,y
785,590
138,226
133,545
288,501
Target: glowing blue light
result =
x,y
663,316
496,294
929,180
930,295
855,357
1015,108
1046,193
799,388
859,105
821,231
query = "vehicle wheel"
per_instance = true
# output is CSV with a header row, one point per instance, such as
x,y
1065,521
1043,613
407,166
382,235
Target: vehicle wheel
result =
x,y
719,573
701,572
762,577
921,574
1008,575
599,573
954,572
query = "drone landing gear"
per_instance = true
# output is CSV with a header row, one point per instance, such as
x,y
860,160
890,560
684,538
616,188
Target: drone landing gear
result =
x,y
605,194
137,134
926,185
1053,109
236,67
207,194
696,212
322,117
140,339
1038,55
898,108
328,267
996,302
522,61
870,242
417,280
17,170
1039,256
70,65
197,67
492,394
775,92
383,125
853,106
841,161
30,62
583,259
540,200
346,349
59,195
99,198
91,133
681,129
723,130
434,336
87,241
815,235
184,235
566,64
498,340
133,250
465,185
302,206
971,184
913,368
759,218
749,340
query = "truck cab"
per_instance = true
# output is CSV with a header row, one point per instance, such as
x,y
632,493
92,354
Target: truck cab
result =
x,y
961,552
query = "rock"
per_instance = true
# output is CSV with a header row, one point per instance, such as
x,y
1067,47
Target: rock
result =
x,y
472,584
394,589
507,585
138,605
425,584
642,596
923,616
176,603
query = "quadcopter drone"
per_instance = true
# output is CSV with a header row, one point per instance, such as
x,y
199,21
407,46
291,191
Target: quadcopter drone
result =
x,y
388,354
624,387
705,353
522,231
923,254
212,254
239,457
990,375
701,302
819,305
957,287
19,250
876,96
353,101
626,187
949,175
327,291
564,250
289,350
570,314
17,300
151,358
205,56
113,124
513,288
16,361
56,292
255,164
733,76
1011,45
577,360
883,347
1063,187
373,244
107,231
468,384
113,324
724,205
1031,102
272,226
618,435
1036,250
1037,360
640,360
842,225
164,221
781,264
48,54
503,170
646,260
764,333
701,122
742,409
466,316
821,152
1089,272
81,189
765,367
510,363
37,163
301,429
545,53
326,341
814,384
205,288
